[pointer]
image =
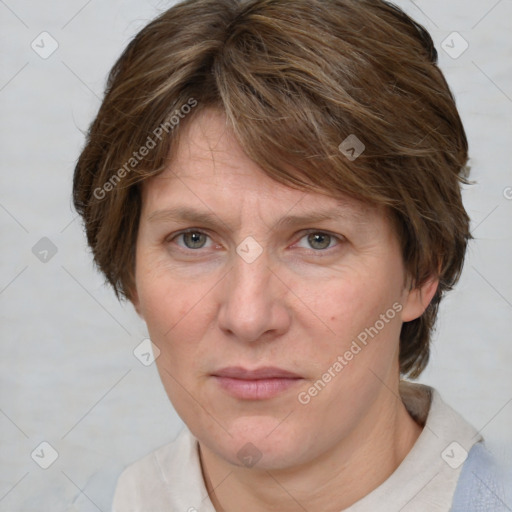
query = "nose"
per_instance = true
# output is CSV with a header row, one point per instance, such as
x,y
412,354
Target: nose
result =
x,y
253,302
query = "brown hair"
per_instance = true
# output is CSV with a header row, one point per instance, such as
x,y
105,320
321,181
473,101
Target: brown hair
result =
x,y
295,79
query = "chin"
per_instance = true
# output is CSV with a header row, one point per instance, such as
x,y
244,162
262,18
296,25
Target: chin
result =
x,y
259,442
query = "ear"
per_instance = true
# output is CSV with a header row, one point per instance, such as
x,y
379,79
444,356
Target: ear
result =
x,y
417,299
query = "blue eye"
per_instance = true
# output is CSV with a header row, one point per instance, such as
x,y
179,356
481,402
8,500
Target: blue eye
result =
x,y
193,239
319,241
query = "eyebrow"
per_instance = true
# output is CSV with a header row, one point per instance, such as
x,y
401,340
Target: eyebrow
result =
x,y
185,213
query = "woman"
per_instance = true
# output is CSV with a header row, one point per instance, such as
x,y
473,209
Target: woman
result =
x,y
275,186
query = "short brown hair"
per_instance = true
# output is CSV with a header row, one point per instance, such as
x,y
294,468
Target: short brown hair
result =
x,y
295,79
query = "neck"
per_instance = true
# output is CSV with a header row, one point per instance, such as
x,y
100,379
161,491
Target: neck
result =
x,y
332,482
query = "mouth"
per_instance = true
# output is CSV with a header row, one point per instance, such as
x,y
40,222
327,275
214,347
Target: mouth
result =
x,y
259,384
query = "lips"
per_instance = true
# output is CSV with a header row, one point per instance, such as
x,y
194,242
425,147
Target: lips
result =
x,y
267,372
258,384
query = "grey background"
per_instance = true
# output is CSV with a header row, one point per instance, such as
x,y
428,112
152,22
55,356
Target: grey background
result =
x,y
68,373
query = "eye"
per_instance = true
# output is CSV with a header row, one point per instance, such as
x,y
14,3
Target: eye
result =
x,y
318,240
192,239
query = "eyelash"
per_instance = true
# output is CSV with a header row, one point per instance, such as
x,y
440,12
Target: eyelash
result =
x,y
338,238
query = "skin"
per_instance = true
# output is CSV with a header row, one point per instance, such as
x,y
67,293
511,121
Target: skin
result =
x,y
298,306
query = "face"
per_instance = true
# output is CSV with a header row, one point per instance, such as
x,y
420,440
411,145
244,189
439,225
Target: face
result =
x,y
277,312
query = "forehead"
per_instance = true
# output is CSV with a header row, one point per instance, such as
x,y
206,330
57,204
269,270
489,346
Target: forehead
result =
x,y
209,166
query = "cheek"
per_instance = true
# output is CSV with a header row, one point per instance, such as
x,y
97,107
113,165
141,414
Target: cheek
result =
x,y
362,308
165,302
177,313
350,363
347,303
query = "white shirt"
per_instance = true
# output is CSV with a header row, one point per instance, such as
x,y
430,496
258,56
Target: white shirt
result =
x,y
169,479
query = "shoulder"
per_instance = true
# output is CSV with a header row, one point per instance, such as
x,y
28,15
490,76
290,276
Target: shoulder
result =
x,y
483,485
150,482
144,475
